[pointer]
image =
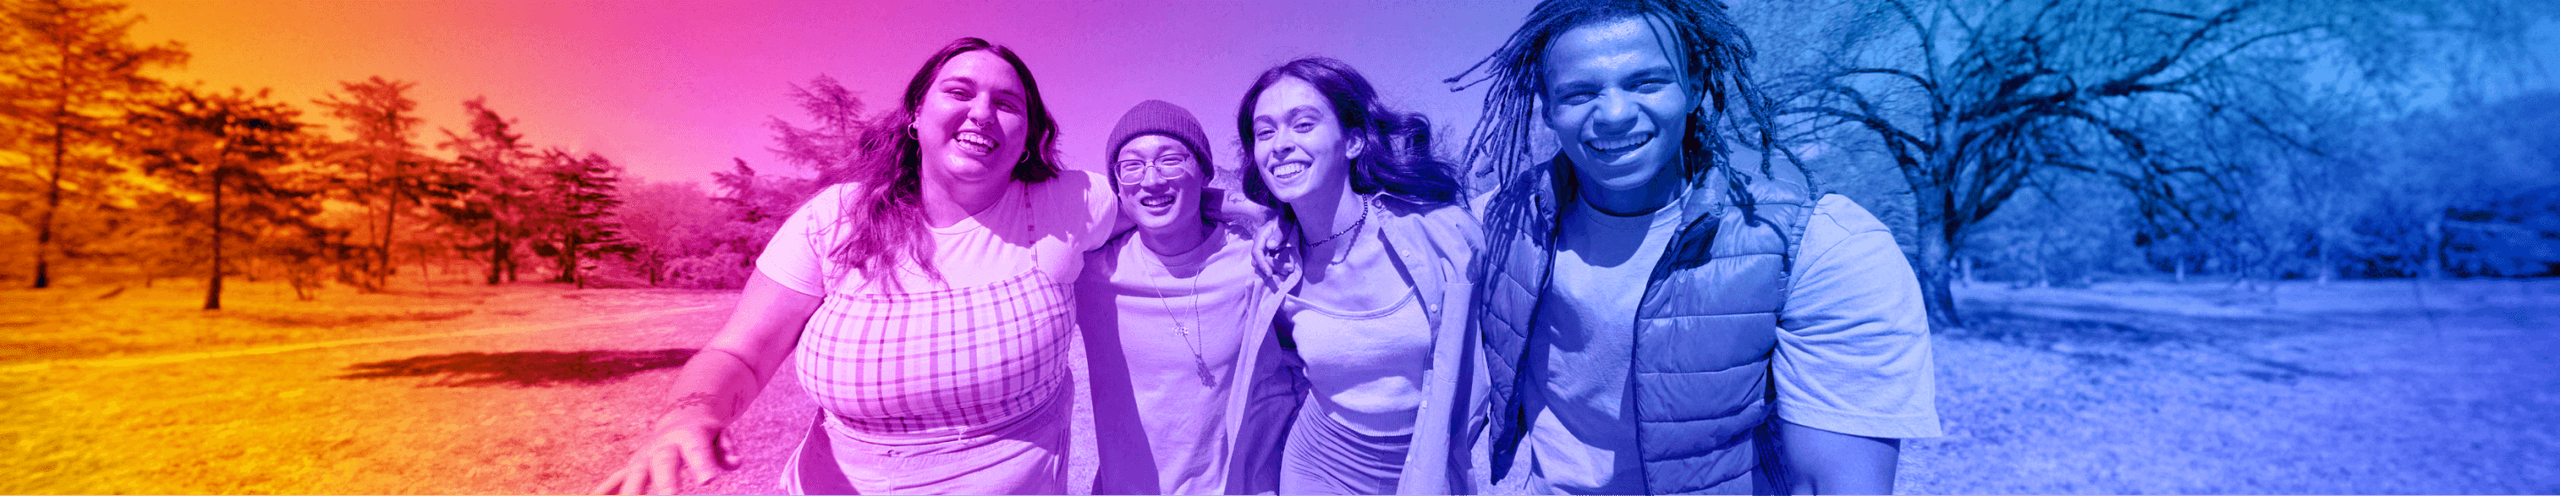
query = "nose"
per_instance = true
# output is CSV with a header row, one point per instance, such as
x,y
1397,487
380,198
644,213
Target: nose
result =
x,y
1281,145
1150,177
1615,113
983,112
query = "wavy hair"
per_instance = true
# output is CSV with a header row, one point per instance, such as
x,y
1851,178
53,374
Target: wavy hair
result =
x,y
1711,49
885,213
1399,160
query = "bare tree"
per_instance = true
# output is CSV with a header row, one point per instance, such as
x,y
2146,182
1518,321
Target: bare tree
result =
x,y
2171,101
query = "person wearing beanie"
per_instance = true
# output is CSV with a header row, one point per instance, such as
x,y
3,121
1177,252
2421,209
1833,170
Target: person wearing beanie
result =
x,y
1177,324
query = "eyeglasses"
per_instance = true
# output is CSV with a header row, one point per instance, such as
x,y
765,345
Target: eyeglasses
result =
x,y
1169,167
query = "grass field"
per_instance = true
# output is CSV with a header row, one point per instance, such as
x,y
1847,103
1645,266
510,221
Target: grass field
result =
x,y
2352,387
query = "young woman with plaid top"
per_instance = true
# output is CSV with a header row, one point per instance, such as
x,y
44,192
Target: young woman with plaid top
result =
x,y
923,296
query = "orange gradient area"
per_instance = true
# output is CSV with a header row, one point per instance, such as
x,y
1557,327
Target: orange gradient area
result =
x,y
117,383
674,90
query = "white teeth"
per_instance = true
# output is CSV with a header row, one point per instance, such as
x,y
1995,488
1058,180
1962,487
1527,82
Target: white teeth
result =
x,y
1156,201
1288,169
975,139
1620,144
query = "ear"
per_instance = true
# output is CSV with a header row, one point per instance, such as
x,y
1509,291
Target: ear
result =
x,y
1351,150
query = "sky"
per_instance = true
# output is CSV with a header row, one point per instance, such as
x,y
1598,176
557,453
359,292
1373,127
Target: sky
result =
x,y
673,89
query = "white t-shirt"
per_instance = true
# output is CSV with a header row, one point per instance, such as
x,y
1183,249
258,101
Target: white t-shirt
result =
x,y
1159,394
1852,355
1047,226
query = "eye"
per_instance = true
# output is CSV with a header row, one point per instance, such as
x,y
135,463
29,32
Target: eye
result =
x,y
1262,133
1303,125
1652,85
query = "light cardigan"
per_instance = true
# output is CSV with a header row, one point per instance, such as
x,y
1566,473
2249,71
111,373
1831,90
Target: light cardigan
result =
x,y
1437,247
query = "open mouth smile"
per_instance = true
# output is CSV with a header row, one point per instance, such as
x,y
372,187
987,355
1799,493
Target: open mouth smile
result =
x,y
1288,170
975,142
1619,145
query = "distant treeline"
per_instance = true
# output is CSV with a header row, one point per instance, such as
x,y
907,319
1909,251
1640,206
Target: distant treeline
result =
x,y
2033,142
113,176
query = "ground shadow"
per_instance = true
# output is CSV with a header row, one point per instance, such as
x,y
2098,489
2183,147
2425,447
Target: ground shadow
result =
x,y
523,368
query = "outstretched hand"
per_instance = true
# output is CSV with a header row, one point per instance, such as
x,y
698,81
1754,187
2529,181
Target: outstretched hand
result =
x,y
674,458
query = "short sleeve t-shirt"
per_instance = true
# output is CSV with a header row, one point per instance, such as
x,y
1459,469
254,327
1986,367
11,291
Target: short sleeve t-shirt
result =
x,y
1045,226
1164,333
1852,357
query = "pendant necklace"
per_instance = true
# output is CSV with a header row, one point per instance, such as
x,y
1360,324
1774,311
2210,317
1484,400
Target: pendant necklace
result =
x,y
1189,337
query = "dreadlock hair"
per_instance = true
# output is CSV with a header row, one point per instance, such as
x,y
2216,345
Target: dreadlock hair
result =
x,y
1710,48
884,216
1400,162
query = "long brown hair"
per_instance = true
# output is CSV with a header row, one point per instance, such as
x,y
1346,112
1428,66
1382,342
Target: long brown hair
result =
x,y
885,213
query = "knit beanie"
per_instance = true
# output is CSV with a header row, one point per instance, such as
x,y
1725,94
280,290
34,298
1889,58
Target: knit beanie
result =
x,y
1165,118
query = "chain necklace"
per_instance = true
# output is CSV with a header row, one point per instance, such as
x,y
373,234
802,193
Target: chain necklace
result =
x,y
1189,338
1355,226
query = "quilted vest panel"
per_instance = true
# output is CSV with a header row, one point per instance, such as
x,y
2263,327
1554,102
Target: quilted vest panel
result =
x,y
1704,332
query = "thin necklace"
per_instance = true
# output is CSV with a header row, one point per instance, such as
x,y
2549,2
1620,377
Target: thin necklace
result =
x,y
1188,337
1355,226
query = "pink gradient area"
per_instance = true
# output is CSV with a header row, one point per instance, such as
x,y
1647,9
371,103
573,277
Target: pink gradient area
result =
x,y
674,89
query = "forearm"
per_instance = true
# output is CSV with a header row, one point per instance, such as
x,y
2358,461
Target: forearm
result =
x,y
712,389
1826,462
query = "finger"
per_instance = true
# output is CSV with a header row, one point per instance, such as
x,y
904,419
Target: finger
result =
x,y
663,469
699,464
729,457
612,484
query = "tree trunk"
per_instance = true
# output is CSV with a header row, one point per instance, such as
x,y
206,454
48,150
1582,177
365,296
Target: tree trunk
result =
x,y
1935,252
497,258
213,288
53,191
572,272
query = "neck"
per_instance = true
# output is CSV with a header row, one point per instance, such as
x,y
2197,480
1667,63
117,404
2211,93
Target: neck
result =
x,y
1176,239
1325,214
946,202
1643,199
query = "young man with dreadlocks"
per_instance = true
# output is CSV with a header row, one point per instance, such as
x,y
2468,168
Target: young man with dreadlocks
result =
x,y
1657,320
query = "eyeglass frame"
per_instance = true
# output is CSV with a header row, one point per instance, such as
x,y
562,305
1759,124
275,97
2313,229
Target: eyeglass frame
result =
x,y
1160,166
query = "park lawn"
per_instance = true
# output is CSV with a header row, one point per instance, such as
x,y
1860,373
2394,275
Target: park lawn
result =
x,y
407,416
2137,387
2353,387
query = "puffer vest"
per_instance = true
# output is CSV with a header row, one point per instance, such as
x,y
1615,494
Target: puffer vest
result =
x,y
1705,328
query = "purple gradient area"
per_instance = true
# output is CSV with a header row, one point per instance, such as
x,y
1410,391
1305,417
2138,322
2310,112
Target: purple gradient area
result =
x,y
674,89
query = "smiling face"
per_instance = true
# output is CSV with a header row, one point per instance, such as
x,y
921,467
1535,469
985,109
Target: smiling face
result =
x,y
1617,103
1148,195
1298,144
972,124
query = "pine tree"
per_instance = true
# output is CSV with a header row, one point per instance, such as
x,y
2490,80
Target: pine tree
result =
x,y
233,150
72,75
583,190
384,121
490,202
